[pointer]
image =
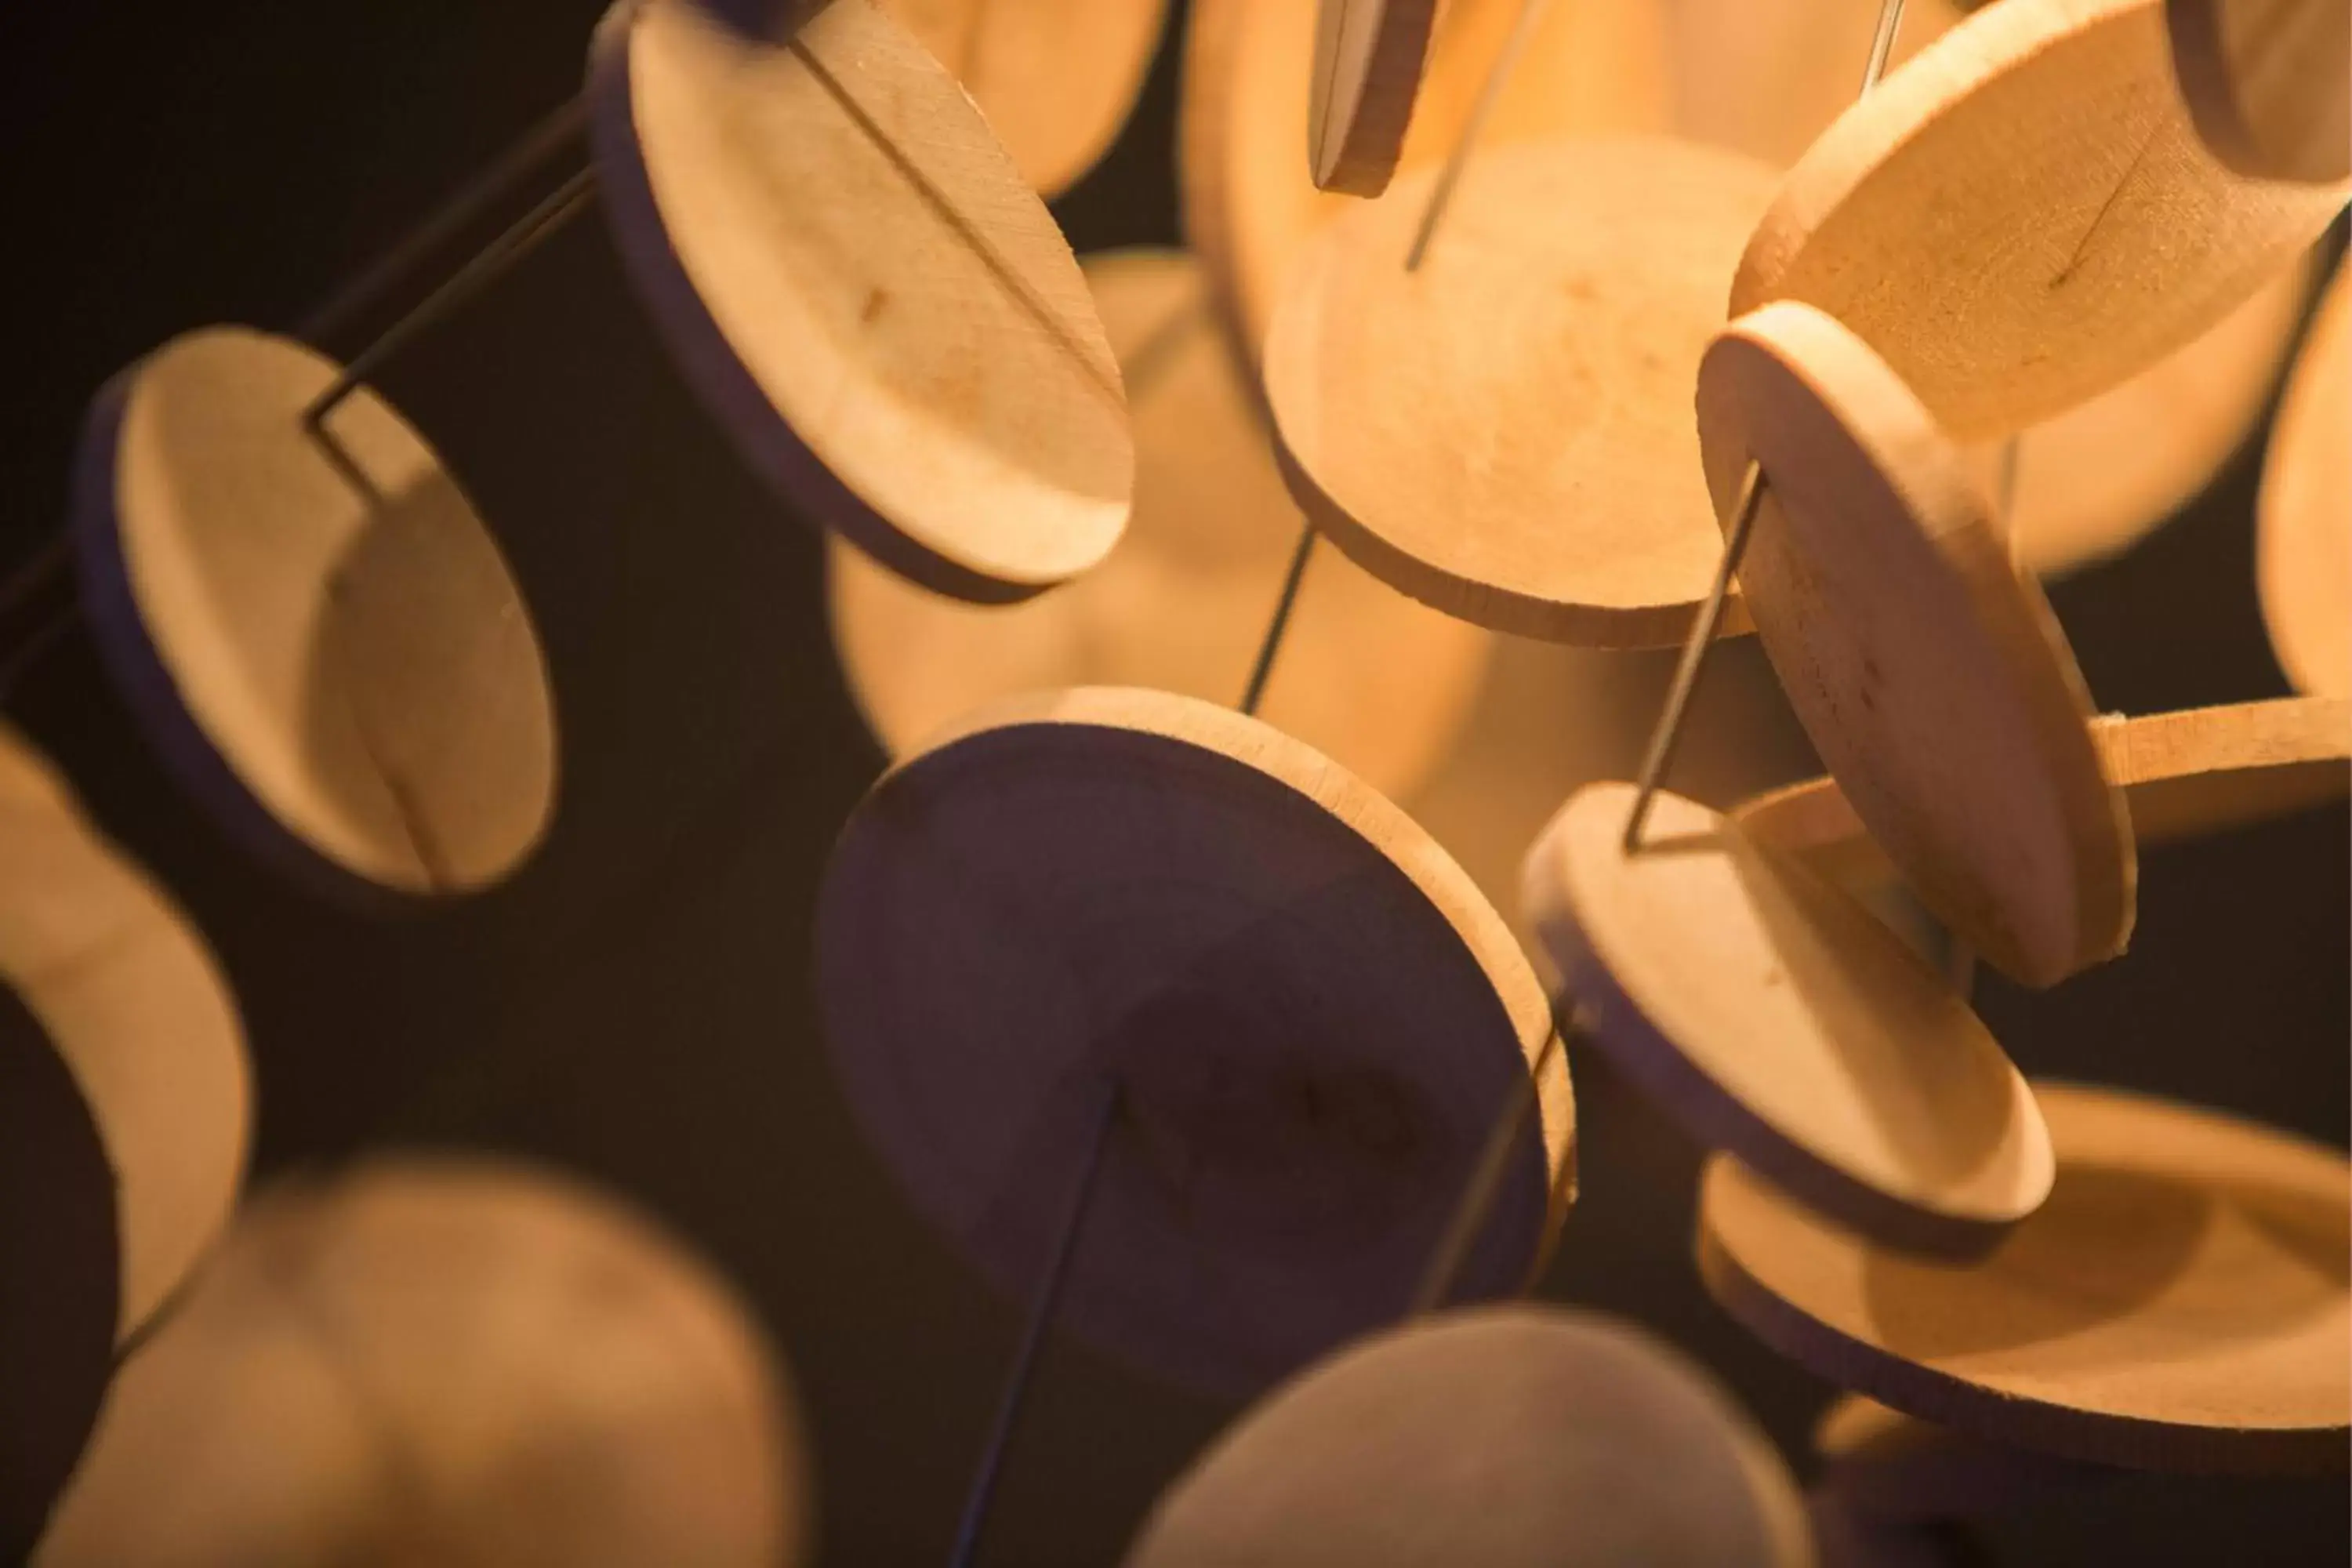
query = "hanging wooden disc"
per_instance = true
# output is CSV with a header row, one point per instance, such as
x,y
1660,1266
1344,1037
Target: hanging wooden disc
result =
x,y
1507,1437
2303,561
1505,433
1776,1017
2022,216
1309,1018
2180,1303
1933,679
853,275
1368,56
313,626
2269,83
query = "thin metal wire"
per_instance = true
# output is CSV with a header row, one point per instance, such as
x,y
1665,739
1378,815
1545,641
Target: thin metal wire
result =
x,y
1490,92
1254,692
1882,43
1451,1253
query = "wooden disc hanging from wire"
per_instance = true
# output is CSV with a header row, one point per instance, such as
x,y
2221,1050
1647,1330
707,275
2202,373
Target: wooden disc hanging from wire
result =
x,y
1368,56
1933,679
854,277
1776,1017
2180,1303
313,626
1308,1016
1505,433
1365,675
2022,216
2302,560
2268,83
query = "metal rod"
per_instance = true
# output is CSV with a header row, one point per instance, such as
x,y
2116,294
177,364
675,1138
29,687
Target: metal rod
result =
x,y
1254,692
1882,43
1490,92
1453,1250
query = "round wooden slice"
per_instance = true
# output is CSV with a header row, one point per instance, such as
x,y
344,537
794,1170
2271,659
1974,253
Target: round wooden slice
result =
x,y
2267,82
1933,678
1777,1019
857,280
2302,560
313,626
2022,216
1507,1437
1505,433
1368,56
1366,675
1310,1017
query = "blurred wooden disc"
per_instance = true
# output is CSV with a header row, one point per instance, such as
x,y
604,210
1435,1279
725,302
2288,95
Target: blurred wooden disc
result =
x,y
2267,83
1366,675
1933,679
314,627
1507,1437
854,277
1505,433
1311,1017
1368,62
2302,560
2022,216
1888,1466
2180,1303
1777,1019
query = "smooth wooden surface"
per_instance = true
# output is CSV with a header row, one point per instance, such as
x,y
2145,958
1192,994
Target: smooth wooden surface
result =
x,y
2180,1303
2267,82
2302,560
1371,678
857,282
1773,1015
1368,56
2022,216
1505,433
1505,1437
1933,678
447,1360
316,629
1311,1016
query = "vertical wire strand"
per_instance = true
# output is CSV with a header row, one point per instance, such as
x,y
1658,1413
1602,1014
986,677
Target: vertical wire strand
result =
x,y
1451,1253
1457,157
1263,669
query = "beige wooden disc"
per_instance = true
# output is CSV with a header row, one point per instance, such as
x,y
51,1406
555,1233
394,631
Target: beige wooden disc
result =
x,y
1368,62
2269,83
1777,1017
853,275
1505,1437
314,627
1365,675
2180,1303
1933,679
439,1362
2022,216
2303,547
1056,78
1505,433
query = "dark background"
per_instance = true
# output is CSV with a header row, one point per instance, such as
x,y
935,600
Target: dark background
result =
x,y
636,1004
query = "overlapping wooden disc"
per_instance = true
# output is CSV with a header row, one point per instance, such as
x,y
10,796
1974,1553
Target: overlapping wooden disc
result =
x,y
2023,217
1368,62
1505,433
2268,83
1310,1016
2180,1303
1366,675
1776,1017
443,1361
2302,562
1507,1437
857,281
313,626
1933,678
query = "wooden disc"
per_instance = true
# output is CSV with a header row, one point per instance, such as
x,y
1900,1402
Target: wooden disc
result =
x,y
439,1362
857,280
1933,679
1055,80
2303,561
1777,1019
2268,83
1505,433
1311,1017
1368,61
2022,216
314,627
1507,1437
1366,675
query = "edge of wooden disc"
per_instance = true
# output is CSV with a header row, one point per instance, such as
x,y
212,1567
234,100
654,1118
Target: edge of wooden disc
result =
x,y
2302,517
1368,62
2265,83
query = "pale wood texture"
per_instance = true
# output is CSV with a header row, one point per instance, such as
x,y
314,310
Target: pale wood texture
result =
x,y
2022,216
2302,546
857,280
2180,1303
315,627
2269,83
1310,1015
1933,678
1504,1438
444,1361
1505,433
1056,78
1368,56
1776,1017
1366,675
